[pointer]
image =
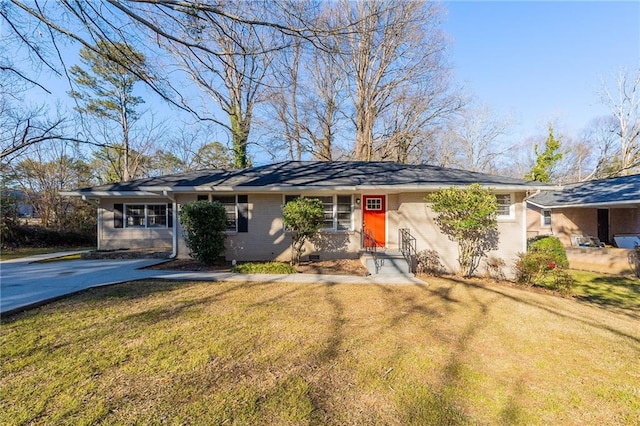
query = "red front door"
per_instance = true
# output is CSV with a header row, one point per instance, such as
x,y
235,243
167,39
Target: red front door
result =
x,y
373,217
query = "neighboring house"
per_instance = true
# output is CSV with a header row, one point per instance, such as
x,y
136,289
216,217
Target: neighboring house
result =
x,y
382,197
23,205
600,208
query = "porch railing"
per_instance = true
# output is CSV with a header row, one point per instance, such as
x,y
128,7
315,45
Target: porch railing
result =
x,y
371,246
407,245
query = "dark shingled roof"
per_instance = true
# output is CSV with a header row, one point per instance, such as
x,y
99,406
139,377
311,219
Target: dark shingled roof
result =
x,y
318,175
618,190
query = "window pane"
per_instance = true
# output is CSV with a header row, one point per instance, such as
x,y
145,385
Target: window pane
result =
x,y
157,215
344,212
546,217
327,207
504,204
135,215
229,203
374,204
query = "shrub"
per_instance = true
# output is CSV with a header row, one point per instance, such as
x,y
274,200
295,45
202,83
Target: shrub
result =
x,y
562,281
494,267
552,247
545,265
428,262
303,217
264,268
204,225
467,216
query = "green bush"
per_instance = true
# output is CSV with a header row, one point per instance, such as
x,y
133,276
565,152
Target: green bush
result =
x,y
467,216
303,217
544,265
264,268
552,247
204,225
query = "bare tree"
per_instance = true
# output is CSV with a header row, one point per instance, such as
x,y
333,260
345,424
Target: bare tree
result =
x,y
475,136
394,54
624,102
50,170
306,96
21,129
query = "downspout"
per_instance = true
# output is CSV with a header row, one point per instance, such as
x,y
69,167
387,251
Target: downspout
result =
x,y
98,217
174,225
524,222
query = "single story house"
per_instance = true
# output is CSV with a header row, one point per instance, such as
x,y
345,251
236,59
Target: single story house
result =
x,y
608,209
381,197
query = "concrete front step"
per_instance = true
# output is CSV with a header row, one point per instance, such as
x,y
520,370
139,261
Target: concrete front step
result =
x,y
389,263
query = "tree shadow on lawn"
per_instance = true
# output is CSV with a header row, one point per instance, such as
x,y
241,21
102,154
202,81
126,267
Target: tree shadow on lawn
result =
x,y
566,314
614,293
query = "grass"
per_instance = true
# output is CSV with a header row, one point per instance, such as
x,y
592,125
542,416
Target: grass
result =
x,y
61,258
611,291
32,251
452,352
264,268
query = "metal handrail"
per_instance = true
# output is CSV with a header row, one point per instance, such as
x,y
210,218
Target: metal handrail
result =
x,y
407,244
371,246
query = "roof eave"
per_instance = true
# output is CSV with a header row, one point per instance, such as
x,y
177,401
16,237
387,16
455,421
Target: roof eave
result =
x,y
586,205
104,194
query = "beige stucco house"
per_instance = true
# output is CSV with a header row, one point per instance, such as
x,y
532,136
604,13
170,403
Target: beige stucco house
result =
x,y
607,209
374,198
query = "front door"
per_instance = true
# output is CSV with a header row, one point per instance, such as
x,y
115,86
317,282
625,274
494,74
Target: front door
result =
x,y
603,225
374,217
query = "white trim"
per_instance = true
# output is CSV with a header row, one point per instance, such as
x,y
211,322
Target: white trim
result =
x,y
334,197
512,208
125,224
586,205
524,226
542,217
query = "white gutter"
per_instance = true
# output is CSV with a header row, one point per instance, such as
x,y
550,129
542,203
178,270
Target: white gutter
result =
x,y
174,224
585,205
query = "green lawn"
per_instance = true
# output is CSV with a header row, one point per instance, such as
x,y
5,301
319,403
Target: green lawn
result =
x,y
452,352
610,291
32,251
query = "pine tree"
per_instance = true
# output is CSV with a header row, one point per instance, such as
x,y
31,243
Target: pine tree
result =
x,y
546,160
107,89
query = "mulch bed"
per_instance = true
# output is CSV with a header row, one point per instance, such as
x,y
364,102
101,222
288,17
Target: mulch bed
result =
x,y
329,267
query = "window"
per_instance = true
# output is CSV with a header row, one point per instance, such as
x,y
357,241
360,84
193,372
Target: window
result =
x,y
505,206
337,209
236,207
145,216
546,217
374,204
230,206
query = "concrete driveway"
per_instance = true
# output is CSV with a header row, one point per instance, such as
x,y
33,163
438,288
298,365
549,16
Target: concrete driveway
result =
x,y
25,283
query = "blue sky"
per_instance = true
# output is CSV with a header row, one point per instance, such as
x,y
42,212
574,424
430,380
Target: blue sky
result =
x,y
542,61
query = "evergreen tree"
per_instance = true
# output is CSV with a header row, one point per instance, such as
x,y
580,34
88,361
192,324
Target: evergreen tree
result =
x,y
546,160
107,89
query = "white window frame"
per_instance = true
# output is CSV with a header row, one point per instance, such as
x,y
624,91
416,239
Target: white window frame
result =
x,y
125,215
542,218
334,211
378,200
512,207
235,198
